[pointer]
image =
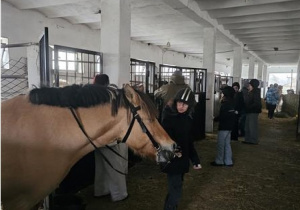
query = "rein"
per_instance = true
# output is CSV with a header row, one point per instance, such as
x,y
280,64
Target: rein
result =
x,y
92,143
136,116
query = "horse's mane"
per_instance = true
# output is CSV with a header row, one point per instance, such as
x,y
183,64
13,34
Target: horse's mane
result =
x,y
87,96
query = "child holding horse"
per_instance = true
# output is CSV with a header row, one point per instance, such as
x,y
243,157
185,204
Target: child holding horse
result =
x,y
177,121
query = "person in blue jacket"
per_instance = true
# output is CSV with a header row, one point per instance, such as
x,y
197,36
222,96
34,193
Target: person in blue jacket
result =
x,y
272,99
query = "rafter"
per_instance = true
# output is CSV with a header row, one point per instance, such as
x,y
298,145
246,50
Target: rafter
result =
x,y
255,10
210,5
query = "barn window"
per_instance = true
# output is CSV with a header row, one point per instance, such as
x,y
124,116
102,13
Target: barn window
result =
x,y
4,54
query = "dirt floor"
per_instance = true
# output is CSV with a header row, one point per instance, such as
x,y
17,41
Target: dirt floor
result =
x,y
264,176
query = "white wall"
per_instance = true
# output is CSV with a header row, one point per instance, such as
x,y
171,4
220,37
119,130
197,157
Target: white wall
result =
x,y
27,26
142,51
282,69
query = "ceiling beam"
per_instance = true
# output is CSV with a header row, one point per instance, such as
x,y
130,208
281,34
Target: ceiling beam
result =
x,y
255,10
267,39
210,5
192,10
261,17
141,31
34,4
170,37
260,24
263,30
92,18
268,34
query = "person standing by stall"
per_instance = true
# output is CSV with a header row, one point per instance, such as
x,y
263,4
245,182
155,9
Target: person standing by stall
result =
x,y
107,179
226,120
239,106
253,108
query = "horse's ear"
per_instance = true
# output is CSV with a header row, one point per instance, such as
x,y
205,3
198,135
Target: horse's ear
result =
x,y
131,95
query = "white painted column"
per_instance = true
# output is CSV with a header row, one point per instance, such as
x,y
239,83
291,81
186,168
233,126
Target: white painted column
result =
x,y
33,66
115,40
259,70
251,68
265,79
298,78
237,64
209,58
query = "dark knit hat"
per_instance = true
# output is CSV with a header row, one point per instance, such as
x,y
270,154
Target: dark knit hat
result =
x,y
228,92
254,83
236,84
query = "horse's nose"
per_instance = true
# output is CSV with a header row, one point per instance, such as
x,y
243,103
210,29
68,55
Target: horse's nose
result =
x,y
174,146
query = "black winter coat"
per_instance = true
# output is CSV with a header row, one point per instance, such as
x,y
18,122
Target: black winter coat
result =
x,y
179,128
253,101
239,104
227,115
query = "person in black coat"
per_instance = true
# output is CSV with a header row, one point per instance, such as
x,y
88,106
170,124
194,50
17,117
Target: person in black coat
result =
x,y
177,122
253,108
226,124
239,106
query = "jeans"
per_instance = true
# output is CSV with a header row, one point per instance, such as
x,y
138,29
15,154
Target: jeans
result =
x,y
175,182
271,110
224,152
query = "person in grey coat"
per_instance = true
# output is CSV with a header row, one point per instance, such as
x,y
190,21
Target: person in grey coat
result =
x,y
108,181
167,92
253,108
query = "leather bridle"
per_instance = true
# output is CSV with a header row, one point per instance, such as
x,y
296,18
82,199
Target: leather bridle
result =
x,y
136,116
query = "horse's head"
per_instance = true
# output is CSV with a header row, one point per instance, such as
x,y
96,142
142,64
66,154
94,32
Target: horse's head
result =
x,y
147,137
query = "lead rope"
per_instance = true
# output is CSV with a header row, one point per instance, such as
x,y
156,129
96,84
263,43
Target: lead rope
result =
x,y
96,148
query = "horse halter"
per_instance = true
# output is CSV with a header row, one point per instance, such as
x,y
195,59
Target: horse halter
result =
x,y
163,156
137,117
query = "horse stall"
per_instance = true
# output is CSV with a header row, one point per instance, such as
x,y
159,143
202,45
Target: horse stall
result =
x,y
74,66
14,77
16,59
196,78
142,74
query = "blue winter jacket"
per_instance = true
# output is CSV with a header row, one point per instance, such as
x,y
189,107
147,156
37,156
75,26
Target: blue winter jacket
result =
x,y
272,96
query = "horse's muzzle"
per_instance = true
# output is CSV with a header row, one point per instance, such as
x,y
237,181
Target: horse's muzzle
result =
x,y
165,156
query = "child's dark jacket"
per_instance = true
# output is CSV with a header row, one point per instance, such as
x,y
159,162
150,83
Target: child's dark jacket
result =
x,y
179,128
227,115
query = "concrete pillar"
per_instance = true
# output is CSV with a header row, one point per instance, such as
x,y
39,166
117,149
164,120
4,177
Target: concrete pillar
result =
x,y
115,40
251,68
237,64
298,78
209,58
265,79
33,66
260,71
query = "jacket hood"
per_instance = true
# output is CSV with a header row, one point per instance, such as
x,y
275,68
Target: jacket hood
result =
x,y
177,79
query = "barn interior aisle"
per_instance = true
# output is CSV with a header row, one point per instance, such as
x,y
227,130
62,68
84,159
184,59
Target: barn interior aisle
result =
x,y
265,176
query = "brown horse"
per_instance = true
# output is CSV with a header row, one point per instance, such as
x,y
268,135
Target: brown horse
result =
x,y
41,139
